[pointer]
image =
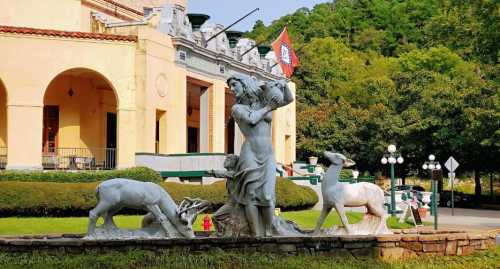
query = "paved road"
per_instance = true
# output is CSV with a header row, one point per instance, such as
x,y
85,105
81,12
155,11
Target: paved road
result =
x,y
464,219
468,219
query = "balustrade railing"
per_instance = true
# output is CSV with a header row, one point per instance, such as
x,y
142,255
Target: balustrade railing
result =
x,y
3,157
79,158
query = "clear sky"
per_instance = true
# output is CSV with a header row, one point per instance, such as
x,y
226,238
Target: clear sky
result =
x,y
226,12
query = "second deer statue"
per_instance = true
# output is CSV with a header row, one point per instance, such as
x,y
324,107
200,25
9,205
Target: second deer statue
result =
x,y
339,195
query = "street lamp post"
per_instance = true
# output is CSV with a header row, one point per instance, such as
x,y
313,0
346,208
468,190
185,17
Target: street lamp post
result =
x,y
392,156
433,165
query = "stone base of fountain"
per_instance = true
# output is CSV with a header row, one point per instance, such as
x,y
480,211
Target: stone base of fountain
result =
x,y
400,245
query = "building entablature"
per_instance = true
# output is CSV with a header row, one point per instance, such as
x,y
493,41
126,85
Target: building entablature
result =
x,y
204,48
114,9
212,63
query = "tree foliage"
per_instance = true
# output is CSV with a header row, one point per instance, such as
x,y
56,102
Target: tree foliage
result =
x,y
423,74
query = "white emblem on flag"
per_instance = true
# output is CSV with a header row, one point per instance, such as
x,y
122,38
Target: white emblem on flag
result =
x,y
285,54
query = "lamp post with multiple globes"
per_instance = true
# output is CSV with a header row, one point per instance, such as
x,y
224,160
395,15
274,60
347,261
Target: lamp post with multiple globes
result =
x,y
392,156
433,165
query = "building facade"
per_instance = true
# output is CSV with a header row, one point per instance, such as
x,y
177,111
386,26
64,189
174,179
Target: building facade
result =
x,y
93,83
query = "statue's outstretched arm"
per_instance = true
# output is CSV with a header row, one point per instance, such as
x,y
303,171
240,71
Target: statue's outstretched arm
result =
x,y
221,174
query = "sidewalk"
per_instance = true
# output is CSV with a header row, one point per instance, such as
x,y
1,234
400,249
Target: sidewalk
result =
x,y
467,219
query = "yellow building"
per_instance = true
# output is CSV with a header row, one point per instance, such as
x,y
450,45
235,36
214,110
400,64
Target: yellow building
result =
x,y
90,84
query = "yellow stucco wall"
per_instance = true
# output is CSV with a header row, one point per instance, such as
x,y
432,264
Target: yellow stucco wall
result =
x,y
41,59
161,85
48,14
283,126
3,116
143,77
82,116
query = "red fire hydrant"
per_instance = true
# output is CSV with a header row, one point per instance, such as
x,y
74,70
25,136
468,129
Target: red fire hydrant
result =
x,y
207,223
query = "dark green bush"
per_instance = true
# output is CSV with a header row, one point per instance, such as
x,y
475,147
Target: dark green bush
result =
x,y
137,173
76,199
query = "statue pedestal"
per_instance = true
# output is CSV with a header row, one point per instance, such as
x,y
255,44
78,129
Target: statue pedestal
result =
x,y
368,226
230,221
150,230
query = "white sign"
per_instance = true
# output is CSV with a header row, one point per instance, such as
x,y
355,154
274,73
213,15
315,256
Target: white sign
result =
x,y
451,164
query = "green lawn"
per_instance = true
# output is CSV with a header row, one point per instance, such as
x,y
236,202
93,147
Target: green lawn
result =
x,y
226,260
29,226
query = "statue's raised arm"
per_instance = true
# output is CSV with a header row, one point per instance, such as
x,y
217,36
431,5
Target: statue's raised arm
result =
x,y
278,92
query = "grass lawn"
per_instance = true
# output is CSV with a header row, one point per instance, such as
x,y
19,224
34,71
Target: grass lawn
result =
x,y
29,226
224,260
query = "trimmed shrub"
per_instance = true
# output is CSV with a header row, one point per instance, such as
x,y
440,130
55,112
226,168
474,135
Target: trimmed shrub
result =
x,y
76,199
137,173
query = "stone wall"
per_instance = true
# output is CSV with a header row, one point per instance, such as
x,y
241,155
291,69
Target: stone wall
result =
x,y
399,246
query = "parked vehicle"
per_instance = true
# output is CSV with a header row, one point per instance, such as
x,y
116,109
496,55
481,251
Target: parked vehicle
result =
x,y
409,188
461,199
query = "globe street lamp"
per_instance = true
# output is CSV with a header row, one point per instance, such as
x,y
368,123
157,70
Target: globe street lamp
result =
x,y
433,165
355,175
392,156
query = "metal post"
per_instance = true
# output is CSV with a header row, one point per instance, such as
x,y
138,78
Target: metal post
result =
x,y
452,176
393,192
434,204
225,29
452,194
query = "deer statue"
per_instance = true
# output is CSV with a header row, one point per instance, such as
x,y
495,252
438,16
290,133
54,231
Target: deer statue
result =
x,y
338,195
118,193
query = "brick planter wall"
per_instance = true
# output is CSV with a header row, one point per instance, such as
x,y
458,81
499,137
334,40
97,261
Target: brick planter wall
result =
x,y
402,245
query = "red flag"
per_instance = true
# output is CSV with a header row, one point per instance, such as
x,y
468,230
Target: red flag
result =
x,y
285,54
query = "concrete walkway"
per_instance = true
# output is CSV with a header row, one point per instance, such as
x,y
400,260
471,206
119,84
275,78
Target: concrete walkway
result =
x,y
468,219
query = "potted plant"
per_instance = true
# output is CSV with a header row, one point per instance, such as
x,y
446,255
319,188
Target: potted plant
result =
x,y
313,160
422,211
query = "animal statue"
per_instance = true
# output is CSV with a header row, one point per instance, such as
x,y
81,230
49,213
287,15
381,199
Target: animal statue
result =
x,y
338,195
118,193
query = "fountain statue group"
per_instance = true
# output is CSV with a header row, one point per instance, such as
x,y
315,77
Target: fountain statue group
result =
x,y
251,185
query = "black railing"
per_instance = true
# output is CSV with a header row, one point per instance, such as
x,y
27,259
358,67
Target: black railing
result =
x,y
79,158
3,157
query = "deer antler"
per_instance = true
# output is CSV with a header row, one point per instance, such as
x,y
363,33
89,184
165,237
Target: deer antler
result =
x,y
194,203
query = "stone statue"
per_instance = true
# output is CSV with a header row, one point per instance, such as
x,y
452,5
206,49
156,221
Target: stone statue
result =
x,y
225,222
175,22
252,57
256,168
337,195
118,193
272,66
220,44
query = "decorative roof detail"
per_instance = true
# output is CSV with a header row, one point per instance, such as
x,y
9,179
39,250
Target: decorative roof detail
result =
x,y
124,7
67,34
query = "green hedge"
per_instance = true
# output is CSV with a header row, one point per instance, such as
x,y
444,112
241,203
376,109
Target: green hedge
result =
x,y
76,199
137,173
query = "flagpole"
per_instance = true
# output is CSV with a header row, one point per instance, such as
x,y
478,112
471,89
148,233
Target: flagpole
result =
x,y
225,29
253,47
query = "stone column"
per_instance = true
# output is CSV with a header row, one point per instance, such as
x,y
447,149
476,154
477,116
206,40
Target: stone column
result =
x,y
217,117
176,115
126,137
24,132
205,119
278,135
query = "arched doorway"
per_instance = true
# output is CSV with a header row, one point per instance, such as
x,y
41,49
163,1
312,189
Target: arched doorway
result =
x,y
3,126
79,122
